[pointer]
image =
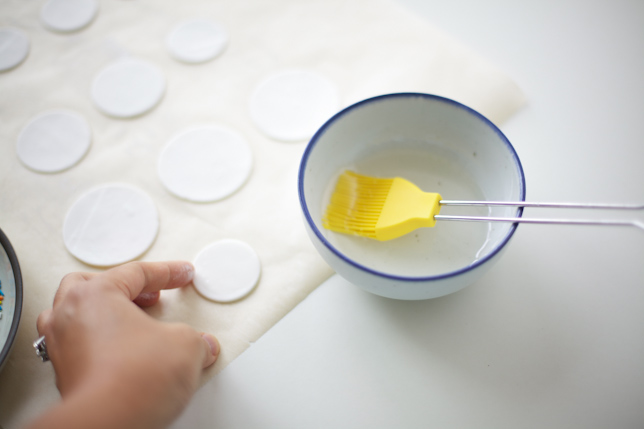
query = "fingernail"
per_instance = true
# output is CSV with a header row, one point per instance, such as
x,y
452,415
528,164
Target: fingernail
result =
x,y
147,299
212,342
147,296
188,272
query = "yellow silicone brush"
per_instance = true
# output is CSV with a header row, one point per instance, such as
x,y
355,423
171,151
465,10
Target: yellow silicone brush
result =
x,y
379,208
384,209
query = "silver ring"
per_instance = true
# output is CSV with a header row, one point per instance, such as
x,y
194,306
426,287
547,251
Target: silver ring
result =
x,y
41,349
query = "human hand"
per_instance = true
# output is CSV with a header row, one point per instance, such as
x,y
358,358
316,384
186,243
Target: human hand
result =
x,y
115,365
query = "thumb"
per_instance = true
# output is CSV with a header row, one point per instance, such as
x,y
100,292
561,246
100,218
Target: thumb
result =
x,y
212,349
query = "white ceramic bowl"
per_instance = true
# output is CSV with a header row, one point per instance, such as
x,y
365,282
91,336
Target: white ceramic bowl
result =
x,y
12,303
441,146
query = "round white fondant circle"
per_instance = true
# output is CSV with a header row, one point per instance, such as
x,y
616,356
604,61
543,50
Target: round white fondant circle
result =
x,y
14,47
54,141
293,104
68,15
205,164
226,270
196,41
128,88
111,225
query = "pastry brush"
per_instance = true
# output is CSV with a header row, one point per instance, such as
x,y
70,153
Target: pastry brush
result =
x,y
388,208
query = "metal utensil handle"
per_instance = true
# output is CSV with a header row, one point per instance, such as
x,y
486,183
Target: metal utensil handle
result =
x,y
541,221
544,205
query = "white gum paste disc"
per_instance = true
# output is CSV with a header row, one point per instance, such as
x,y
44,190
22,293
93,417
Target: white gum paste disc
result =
x,y
14,47
128,88
226,271
293,104
68,15
111,225
196,41
54,141
205,164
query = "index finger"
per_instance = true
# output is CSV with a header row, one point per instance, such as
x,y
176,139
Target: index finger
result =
x,y
135,278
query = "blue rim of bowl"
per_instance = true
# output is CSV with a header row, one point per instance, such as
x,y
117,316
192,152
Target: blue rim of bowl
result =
x,y
341,113
13,331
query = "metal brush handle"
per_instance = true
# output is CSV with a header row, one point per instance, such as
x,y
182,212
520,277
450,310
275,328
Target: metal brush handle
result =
x,y
635,223
543,205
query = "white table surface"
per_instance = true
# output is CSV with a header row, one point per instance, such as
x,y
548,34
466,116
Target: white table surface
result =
x,y
552,336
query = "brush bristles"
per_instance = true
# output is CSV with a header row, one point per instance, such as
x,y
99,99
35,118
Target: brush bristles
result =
x,y
356,204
